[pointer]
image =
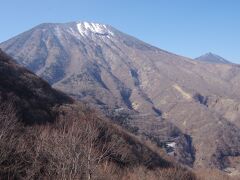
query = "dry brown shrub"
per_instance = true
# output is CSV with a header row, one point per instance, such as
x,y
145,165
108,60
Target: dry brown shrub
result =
x,y
77,146
213,174
69,149
175,173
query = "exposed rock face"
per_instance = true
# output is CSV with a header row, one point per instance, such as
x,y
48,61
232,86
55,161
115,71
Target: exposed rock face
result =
x,y
153,88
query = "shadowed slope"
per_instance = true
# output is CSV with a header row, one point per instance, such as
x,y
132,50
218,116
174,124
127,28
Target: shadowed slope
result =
x,y
33,98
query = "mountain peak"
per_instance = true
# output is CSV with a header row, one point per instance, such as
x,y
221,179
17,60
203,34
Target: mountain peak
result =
x,y
212,58
79,29
85,28
210,54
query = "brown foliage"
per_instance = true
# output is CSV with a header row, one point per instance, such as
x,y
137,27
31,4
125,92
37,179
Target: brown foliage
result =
x,y
77,146
213,174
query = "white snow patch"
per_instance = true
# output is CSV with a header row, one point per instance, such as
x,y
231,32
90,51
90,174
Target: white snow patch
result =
x,y
171,144
87,28
119,109
58,32
74,33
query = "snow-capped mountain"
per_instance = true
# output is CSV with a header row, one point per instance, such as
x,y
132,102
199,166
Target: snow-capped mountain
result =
x,y
85,29
212,58
167,98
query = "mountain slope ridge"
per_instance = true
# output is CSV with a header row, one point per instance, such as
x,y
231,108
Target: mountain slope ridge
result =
x,y
28,93
113,71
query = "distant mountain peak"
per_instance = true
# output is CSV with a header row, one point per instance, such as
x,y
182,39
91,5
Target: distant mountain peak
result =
x,y
213,58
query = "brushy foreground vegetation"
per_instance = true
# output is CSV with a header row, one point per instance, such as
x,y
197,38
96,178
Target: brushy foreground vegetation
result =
x,y
78,145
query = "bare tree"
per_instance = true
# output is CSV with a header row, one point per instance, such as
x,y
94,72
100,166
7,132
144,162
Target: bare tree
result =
x,y
9,126
76,145
96,148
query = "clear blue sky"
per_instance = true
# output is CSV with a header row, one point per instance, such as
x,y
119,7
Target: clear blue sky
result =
x,y
185,27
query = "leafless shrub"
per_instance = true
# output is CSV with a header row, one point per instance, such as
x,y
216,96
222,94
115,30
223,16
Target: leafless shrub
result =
x,y
76,146
174,173
73,148
8,140
8,120
213,174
